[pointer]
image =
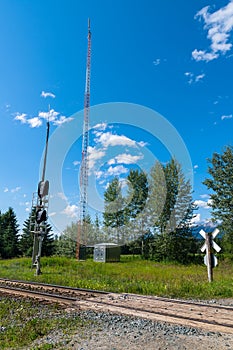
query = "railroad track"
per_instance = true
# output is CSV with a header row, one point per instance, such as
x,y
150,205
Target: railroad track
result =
x,y
215,318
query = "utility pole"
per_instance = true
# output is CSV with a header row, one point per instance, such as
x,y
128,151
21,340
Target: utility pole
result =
x,y
39,213
82,227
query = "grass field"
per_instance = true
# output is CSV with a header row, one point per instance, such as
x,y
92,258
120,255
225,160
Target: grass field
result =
x,y
130,275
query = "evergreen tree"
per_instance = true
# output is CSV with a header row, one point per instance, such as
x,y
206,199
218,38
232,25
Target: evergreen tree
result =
x,y
221,183
9,235
114,210
26,239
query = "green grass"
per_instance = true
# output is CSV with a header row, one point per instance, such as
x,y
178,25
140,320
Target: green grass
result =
x,y
23,321
130,275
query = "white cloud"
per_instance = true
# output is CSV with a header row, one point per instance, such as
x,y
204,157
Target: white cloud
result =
x,y
21,117
203,55
193,78
111,161
199,77
219,25
127,158
6,190
94,154
47,94
100,126
157,61
117,170
226,116
13,190
71,211
76,162
34,122
62,120
108,139
99,173
50,115
195,166
203,204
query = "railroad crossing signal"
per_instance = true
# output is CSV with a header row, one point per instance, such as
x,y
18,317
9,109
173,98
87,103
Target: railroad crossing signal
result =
x,y
210,259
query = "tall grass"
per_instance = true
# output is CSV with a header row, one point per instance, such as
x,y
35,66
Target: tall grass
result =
x,y
130,275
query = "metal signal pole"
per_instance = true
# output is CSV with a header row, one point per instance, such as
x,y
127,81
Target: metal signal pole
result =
x,y
82,228
39,212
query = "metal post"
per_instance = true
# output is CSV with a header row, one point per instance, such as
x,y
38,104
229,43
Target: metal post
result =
x,y
209,257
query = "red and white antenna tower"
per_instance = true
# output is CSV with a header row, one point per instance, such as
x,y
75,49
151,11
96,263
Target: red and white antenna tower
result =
x,y
85,142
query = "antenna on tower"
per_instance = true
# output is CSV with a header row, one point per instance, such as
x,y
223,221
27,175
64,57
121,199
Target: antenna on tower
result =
x,y
82,225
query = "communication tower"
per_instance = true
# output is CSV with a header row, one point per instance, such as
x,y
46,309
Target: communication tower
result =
x,y
82,227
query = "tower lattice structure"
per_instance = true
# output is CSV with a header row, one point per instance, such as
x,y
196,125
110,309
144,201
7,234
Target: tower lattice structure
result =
x,y
82,227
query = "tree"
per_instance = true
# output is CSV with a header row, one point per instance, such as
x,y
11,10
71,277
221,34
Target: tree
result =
x,y
137,193
221,183
173,239
9,235
135,200
113,214
67,241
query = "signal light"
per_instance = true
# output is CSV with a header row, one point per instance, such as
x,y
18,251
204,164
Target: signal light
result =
x,y
41,216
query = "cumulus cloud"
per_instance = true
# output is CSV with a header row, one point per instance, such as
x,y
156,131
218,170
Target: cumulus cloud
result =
x,y
6,189
219,24
193,78
203,204
100,126
76,162
157,61
62,120
71,211
109,139
16,189
47,94
21,117
125,158
117,170
51,116
94,154
226,116
34,122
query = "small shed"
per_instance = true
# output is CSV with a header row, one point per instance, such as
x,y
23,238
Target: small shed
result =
x,y
107,252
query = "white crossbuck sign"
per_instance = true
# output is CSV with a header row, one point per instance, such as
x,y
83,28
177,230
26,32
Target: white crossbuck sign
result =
x,y
214,245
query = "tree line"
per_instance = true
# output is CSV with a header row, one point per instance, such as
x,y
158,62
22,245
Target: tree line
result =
x,y
153,218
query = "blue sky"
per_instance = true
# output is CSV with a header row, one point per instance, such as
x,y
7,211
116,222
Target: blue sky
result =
x,y
171,57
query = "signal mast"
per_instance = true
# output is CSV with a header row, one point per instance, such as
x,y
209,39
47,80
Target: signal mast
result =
x,y
39,212
82,227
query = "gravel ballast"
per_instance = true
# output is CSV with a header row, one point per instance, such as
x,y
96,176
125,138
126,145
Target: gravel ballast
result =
x,y
105,331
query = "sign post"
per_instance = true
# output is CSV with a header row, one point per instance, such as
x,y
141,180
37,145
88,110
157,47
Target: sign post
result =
x,y
210,259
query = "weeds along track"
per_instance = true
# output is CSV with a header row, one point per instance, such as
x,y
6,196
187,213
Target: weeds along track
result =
x,y
214,318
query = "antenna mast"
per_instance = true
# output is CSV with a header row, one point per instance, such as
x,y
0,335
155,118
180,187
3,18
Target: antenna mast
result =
x,y
85,142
